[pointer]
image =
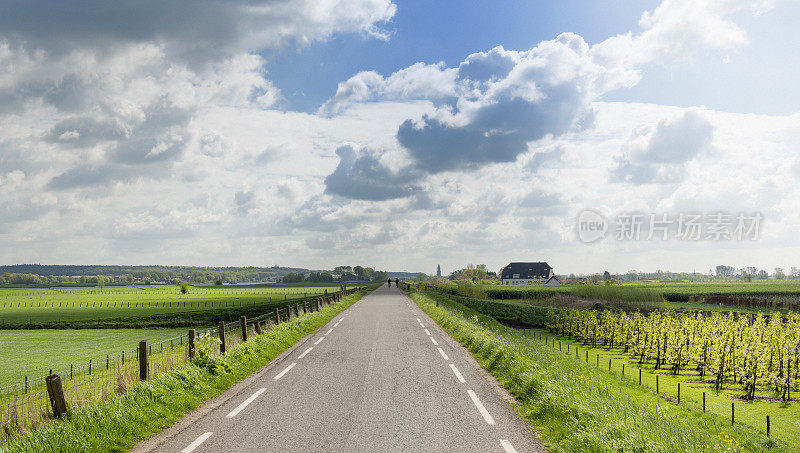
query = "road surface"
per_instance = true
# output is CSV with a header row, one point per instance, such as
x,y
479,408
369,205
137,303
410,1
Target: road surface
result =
x,y
381,376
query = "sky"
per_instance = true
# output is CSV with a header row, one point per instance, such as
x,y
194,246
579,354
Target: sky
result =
x,y
401,134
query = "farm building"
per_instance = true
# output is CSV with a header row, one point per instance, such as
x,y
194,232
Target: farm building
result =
x,y
539,273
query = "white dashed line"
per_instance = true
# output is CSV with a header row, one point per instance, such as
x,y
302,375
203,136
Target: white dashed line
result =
x,y
427,333
342,318
507,446
458,374
305,352
329,332
203,437
244,404
319,341
481,408
280,375
444,356
434,341
337,324
418,320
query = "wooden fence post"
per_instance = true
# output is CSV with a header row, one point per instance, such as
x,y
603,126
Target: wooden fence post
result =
x,y
222,337
243,324
277,316
704,401
257,326
144,369
56,393
767,425
191,343
733,418
656,383
679,393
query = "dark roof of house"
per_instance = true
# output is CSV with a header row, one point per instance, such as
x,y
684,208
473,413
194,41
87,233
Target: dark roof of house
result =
x,y
527,270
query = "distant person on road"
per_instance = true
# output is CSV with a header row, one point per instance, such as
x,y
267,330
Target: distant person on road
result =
x,y
390,283
397,282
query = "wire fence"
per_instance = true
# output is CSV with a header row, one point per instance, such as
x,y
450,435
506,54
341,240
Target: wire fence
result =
x,y
32,402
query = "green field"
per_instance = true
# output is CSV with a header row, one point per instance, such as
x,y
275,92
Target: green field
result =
x,y
33,353
66,304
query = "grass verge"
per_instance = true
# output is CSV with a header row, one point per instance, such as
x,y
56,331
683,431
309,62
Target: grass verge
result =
x,y
117,424
576,407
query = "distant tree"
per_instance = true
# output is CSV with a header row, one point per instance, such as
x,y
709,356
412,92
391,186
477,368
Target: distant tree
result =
x,y
218,281
184,288
293,277
763,275
745,276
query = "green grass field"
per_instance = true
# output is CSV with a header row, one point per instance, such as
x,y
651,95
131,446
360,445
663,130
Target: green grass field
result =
x,y
33,353
66,304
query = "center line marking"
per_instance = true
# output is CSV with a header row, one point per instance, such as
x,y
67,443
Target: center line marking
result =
x,y
444,356
458,374
244,404
422,325
203,437
427,333
418,320
306,352
481,408
329,332
286,370
507,446
434,341
319,341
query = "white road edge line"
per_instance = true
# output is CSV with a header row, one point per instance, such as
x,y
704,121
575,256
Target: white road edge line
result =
x,y
481,408
444,356
329,332
434,341
337,324
305,352
286,370
203,437
458,374
245,403
319,341
507,446
427,333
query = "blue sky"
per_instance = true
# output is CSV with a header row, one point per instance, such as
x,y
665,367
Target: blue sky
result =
x,y
395,134
439,31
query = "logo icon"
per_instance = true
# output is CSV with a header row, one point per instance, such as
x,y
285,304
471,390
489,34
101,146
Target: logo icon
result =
x,y
592,226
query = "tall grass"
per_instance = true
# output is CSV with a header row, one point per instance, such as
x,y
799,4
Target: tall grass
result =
x,y
576,407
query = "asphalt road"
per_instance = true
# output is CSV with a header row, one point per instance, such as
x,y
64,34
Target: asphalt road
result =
x,y
381,376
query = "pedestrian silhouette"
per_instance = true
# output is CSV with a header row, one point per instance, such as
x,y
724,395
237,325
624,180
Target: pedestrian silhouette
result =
x,y
390,283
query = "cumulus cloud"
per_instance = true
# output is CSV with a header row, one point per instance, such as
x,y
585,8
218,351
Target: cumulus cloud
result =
x,y
361,175
659,156
492,106
196,32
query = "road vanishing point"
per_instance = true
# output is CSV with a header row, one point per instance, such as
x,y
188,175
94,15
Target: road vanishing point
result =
x,y
379,377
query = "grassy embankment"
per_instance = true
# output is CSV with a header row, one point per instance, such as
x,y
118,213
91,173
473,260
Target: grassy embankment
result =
x,y
785,417
577,407
118,423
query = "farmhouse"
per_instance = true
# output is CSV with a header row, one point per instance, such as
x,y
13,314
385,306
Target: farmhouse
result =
x,y
539,273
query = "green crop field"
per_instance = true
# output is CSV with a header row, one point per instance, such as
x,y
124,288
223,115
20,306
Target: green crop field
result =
x,y
33,353
66,304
